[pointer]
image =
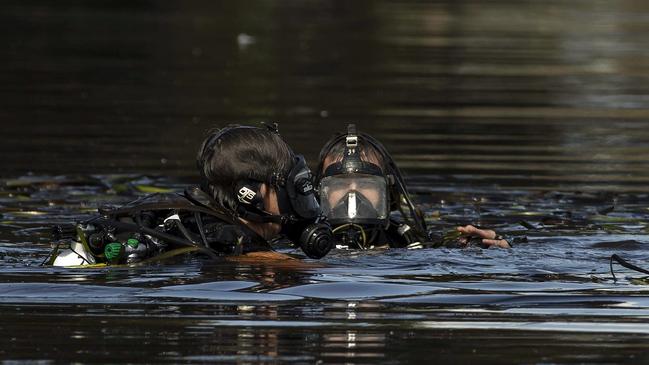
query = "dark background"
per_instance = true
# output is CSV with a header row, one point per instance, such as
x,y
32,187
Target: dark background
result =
x,y
512,92
528,117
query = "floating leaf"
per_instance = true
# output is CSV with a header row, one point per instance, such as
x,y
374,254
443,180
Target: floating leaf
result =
x,y
527,225
120,188
450,238
529,213
612,228
639,281
27,213
605,218
152,189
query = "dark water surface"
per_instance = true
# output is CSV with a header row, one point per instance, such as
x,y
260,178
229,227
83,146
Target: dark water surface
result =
x,y
527,116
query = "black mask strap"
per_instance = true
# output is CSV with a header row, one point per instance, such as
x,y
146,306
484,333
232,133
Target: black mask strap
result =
x,y
248,194
260,216
351,144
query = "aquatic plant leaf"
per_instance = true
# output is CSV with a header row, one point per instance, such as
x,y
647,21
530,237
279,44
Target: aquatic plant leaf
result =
x,y
605,218
152,189
450,238
36,181
120,188
612,228
527,225
27,213
530,213
639,281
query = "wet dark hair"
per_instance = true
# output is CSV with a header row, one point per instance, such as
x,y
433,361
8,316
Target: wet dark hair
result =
x,y
236,153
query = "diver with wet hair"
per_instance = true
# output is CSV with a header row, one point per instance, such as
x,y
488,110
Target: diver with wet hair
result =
x,y
363,194
253,189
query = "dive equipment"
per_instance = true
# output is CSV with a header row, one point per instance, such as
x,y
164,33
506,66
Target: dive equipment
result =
x,y
300,214
114,252
136,231
358,195
295,196
356,198
316,240
130,252
74,255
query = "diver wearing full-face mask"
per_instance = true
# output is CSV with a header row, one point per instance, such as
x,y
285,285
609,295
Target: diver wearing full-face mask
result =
x,y
361,190
254,188
273,191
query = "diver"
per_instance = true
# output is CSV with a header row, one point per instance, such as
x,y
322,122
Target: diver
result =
x,y
365,199
254,188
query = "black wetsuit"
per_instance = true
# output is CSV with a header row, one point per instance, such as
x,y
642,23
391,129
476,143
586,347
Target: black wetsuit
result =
x,y
167,221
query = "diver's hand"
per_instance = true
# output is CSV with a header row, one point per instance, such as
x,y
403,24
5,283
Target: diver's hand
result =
x,y
489,237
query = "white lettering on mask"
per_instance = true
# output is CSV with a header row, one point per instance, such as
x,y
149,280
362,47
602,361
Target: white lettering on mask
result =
x,y
246,195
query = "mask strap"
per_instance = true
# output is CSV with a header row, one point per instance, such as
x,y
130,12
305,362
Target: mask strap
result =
x,y
418,220
351,145
261,216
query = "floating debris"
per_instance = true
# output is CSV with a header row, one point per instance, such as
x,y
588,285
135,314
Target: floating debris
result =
x,y
152,189
245,40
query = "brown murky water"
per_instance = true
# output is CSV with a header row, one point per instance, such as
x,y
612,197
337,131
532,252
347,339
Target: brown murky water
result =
x,y
531,117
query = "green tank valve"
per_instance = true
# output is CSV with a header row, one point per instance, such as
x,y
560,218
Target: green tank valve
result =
x,y
114,252
133,242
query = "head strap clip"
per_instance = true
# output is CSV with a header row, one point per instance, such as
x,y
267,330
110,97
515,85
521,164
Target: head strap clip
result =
x,y
352,139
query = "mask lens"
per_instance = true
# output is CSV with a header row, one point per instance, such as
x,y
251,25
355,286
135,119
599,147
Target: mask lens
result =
x,y
354,197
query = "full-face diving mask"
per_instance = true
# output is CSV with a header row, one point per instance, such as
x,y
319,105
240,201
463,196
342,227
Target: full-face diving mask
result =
x,y
300,214
354,198
354,192
358,196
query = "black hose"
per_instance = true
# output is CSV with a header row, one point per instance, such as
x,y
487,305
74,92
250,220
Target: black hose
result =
x,y
161,235
626,264
201,228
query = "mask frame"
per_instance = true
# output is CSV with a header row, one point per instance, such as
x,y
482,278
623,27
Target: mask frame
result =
x,y
355,198
397,190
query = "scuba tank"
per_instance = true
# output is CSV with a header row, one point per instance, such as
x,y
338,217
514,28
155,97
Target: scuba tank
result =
x,y
137,231
93,243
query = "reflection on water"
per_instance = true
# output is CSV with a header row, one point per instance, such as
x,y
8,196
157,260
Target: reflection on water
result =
x,y
529,117
382,306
